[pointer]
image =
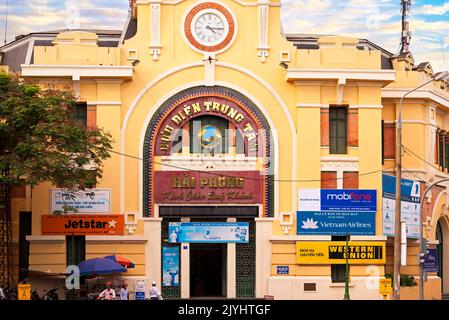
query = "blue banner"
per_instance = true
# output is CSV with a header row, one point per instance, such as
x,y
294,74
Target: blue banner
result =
x,y
348,200
170,266
214,232
431,261
410,190
335,223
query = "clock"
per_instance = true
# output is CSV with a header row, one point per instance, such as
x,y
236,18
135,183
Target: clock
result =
x,y
209,27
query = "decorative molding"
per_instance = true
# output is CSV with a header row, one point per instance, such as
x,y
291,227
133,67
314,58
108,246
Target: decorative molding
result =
x,y
240,2
209,69
340,90
104,103
76,72
155,31
341,74
418,94
286,221
263,24
115,239
309,105
208,163
45,239
366,106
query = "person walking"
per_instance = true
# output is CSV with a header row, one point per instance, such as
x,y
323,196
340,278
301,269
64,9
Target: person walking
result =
x,y
124,292
108,293
154,292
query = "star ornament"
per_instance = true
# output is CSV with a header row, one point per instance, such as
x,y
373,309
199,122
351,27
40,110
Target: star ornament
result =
x,y
112,223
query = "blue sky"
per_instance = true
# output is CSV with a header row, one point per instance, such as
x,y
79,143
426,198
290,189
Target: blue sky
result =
x,y
377,20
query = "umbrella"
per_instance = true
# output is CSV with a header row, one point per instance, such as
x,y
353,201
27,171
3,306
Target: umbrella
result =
x,y
99,266
121,260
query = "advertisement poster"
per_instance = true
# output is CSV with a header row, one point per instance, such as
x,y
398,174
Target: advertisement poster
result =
x,y
88,201
431,261
170,266
410,205
201,232
337,200
334,252
83,225
336,223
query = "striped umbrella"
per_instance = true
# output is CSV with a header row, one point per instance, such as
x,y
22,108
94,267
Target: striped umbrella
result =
x,y
121,261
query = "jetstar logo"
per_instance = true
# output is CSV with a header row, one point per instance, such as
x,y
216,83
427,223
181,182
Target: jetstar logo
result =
x,y
83,224
350,196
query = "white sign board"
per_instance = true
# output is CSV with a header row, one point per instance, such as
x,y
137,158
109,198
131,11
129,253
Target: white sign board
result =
x,y
87,201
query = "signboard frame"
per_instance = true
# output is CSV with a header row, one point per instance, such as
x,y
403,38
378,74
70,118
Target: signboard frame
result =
x,y
319,252
208,232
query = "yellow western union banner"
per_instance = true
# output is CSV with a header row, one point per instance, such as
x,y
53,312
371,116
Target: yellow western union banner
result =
x,y
335,252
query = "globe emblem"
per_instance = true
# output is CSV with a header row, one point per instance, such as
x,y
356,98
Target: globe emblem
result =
x,y
210,136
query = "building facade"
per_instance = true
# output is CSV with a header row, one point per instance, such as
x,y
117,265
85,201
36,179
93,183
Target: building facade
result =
x,y
220,120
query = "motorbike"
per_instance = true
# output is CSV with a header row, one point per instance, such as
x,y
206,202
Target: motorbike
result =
x,y
51,295
35,295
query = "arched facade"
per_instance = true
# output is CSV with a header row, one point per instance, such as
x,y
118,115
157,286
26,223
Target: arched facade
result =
x,y
169,124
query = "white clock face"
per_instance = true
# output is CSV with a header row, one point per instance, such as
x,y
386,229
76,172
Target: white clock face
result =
x,y
209,27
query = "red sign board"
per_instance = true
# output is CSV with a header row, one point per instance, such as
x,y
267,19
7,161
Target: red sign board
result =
x,y
82,225
229,187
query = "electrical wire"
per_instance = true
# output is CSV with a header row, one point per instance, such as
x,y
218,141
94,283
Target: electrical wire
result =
x,y
229,176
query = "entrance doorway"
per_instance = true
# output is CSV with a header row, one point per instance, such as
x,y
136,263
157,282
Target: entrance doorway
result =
x,y
208,270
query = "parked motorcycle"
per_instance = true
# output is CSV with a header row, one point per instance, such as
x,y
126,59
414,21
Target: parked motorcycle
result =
x,y
51,295
35,295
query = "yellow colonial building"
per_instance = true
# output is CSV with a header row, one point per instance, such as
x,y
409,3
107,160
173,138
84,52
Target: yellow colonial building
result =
x,y
225,130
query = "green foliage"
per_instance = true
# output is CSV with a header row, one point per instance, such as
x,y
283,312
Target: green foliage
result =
x,y
40,139
406,280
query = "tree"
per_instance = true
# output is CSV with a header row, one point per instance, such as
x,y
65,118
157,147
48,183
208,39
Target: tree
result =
x,y
41,141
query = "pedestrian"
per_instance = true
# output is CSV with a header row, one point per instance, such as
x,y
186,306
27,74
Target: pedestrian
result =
x,y
124,292
2,294
108,293
154,292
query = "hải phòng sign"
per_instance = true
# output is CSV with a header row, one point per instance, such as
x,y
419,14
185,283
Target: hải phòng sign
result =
x,y
337,200
233,187
334,252
76,224
335,223
205,232
83,201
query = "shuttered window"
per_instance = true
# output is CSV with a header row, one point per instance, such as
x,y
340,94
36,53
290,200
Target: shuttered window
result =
x,y
338,130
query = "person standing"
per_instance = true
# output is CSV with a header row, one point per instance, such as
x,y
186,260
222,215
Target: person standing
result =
x,y
154,292
124,292
2,294
108,293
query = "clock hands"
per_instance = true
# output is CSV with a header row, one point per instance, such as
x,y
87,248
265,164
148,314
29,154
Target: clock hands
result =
x,y
213,29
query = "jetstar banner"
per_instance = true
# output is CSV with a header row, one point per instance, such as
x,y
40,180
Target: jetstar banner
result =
x,y
83,225
233,187
335,252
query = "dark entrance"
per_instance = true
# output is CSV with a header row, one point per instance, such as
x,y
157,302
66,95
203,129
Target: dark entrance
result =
x,y
208,270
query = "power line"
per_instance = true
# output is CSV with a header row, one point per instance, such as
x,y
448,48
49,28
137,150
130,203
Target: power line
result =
x,y
407,149
224,175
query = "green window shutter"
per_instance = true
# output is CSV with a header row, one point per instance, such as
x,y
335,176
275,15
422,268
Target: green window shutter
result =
x,y
338,130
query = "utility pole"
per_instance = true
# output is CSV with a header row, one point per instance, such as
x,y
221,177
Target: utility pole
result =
x,y
347,297
404,50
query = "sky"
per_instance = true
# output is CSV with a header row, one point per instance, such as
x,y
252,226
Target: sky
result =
x,y
377,20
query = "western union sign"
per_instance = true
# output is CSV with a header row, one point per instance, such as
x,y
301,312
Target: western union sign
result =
x,y
335,252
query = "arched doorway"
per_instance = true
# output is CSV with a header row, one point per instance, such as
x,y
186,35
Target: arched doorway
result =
x,y
442,235
208,169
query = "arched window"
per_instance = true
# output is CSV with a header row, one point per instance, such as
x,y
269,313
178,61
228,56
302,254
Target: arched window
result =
x,y
208,135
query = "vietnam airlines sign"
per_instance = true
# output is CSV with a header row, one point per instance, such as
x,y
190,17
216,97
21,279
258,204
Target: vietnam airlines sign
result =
x,y
82,225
